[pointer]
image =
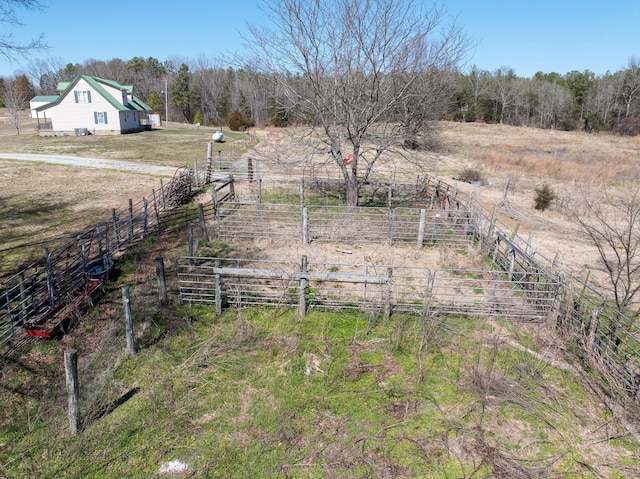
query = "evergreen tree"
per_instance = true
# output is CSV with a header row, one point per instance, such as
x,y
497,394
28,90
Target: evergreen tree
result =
x,y
181,93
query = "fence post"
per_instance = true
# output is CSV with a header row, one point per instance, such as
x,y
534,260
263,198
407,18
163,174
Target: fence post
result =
x,y
155,206
51,284
259,190
164,199
209,160
302,193
162,283
130,219
128,319
302,303
305,226
387,300
232,188
192,241
423,217
71,372
512,264
218,290
250,169
145,216
203,224
116,226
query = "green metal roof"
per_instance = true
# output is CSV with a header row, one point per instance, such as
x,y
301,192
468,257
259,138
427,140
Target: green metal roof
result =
x,y
135,103
45,98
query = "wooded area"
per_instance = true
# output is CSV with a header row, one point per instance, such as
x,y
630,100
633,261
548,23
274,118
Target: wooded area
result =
x,y
202,89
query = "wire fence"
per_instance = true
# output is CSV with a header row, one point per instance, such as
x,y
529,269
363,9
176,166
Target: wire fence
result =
x,y
385,288
426,212
608,340
29,297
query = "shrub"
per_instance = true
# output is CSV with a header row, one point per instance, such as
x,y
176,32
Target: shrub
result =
x,y
470,175
238,122
544,197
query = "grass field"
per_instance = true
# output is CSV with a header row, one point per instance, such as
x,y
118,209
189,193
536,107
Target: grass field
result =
x,y
42,204
263,393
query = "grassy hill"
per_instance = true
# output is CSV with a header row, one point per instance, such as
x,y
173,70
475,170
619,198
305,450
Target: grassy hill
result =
x,y
260,392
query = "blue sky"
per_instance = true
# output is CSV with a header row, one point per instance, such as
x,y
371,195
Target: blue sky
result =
x,y
540,35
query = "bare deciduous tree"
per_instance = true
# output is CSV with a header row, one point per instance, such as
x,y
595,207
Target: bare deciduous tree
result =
x,y
613,227
16,95
362,73
9,48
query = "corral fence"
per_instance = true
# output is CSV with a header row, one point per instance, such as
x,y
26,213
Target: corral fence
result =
x,y
385,288
238,221
60,276
607,339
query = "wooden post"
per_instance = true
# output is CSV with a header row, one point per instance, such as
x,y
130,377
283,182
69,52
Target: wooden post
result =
x,y
423,218
116,226
192,242
24,300
259,190
232,188
130,219
73,394
128,319
51,282
305,226
203,224
506,189
387,299
155,206
164,199
162,284
302,298
250,169
214,201
209,160
218,290
512,264
302,193
219,160
145,216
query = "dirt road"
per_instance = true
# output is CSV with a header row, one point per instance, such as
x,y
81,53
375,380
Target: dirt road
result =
x,y
99,163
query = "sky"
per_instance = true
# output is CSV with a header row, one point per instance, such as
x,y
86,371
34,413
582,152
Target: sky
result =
x,y
528,36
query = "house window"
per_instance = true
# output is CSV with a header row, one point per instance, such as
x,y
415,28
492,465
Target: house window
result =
x,y
82,96
100,117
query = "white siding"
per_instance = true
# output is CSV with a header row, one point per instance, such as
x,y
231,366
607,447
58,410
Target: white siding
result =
x,y
35,104
69,115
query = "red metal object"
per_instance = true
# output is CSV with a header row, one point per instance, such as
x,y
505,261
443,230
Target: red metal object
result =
x,y
56,320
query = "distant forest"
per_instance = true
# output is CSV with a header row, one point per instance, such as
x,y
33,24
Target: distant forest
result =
x,y
199,91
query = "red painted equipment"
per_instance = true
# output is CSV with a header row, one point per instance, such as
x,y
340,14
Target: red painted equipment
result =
x,y
56,320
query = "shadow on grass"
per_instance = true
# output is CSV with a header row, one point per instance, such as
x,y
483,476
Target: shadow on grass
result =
x,y
112,406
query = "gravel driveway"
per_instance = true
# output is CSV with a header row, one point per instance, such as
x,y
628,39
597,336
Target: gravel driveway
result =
x,y
83,162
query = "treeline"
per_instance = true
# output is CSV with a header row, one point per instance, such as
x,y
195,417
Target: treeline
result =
x,y
201,91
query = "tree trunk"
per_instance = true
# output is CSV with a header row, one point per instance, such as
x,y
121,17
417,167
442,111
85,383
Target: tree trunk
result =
x,y
353,192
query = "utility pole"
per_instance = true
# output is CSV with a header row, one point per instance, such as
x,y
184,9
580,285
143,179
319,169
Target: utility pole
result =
x,y
166,102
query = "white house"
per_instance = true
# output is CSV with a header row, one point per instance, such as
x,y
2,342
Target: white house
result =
x,y
91,105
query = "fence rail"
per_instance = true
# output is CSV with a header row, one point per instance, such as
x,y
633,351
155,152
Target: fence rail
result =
x,y
306,224
47,282
608,340
388,288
